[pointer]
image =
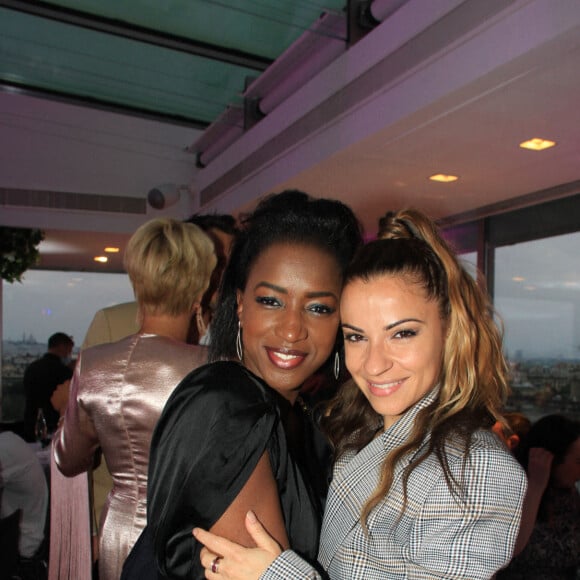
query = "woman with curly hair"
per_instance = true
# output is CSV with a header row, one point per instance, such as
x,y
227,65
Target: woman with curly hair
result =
x,y
421,487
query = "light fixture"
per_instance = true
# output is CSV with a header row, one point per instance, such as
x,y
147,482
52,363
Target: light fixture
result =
x,y
443,178
537,144
518,279
166,195
101,259
313,51
382,9
111,250
228,127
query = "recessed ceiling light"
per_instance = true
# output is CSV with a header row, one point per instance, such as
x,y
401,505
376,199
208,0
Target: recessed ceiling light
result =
x,y
518,279
537,144
111,250
102,259
443,178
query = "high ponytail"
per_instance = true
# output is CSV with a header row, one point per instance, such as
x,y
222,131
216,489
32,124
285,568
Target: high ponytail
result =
x,y
473,381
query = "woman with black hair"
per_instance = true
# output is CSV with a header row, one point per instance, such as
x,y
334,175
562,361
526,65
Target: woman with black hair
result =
x,y
221,446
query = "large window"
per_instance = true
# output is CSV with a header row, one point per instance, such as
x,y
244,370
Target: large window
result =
x,y
537,294
533,273
44,303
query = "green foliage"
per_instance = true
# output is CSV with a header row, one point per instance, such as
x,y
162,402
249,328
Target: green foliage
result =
x,y
18,251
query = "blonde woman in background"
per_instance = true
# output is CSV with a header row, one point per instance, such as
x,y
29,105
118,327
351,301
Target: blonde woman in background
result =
x,y
119,389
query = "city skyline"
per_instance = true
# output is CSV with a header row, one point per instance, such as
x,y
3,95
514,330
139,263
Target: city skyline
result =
x,y
536,295
48,302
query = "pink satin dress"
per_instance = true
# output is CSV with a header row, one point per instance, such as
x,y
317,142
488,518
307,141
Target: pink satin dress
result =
x,y
117,394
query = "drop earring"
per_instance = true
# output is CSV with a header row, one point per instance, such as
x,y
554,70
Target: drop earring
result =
x,y
336,367
239,349
201,326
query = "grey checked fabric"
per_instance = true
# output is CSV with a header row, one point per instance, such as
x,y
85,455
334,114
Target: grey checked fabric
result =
x,y
438,536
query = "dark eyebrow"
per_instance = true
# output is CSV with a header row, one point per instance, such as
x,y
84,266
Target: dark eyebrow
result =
x,y
271,287
403,321
321,294
351,327
388,327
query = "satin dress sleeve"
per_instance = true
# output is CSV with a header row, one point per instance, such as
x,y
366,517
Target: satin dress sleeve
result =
x,y
213,430
76,441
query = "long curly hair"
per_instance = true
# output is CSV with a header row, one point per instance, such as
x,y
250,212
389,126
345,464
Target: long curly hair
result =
x,y
291,216
473,382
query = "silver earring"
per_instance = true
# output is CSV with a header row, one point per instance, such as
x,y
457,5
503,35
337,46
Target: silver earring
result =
x,y
239,349
336,365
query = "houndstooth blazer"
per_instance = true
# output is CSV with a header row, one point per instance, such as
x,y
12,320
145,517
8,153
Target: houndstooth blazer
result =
x,y
438,535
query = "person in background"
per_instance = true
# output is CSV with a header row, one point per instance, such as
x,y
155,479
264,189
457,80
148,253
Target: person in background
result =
x,y
422,489
111,324
222,229
119,389
41,378
548,546
512,428
115,322
120,320
23,487
223,444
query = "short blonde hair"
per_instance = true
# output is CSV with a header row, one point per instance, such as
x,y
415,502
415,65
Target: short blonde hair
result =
x,y
169,263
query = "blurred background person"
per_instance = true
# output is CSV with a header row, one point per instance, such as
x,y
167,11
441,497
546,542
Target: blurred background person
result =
x,y
120,320
119,389
222,229
23,487
41,378
112,323
115,322
548,545
514,427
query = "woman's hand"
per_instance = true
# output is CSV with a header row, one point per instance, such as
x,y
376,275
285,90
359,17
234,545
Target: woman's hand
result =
x,y
229,561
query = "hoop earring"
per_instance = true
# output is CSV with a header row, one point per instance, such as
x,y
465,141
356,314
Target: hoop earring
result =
x,y
336,367
239,349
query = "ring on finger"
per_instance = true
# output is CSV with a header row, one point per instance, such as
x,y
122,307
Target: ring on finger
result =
x,y
215,564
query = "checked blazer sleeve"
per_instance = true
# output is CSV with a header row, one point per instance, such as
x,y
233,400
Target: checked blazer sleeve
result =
x,y
472,536
290,565
440,535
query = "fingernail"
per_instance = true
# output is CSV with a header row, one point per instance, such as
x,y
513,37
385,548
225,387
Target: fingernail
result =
x,y
251,517
195,532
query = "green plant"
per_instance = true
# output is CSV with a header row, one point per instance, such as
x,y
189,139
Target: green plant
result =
x,y
18,251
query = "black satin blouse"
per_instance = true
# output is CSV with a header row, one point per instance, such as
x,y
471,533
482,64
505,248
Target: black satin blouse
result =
x,y
215,427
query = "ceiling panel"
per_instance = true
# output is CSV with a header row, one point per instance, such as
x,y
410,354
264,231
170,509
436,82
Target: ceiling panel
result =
x,y
184,60
259,27
43,54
